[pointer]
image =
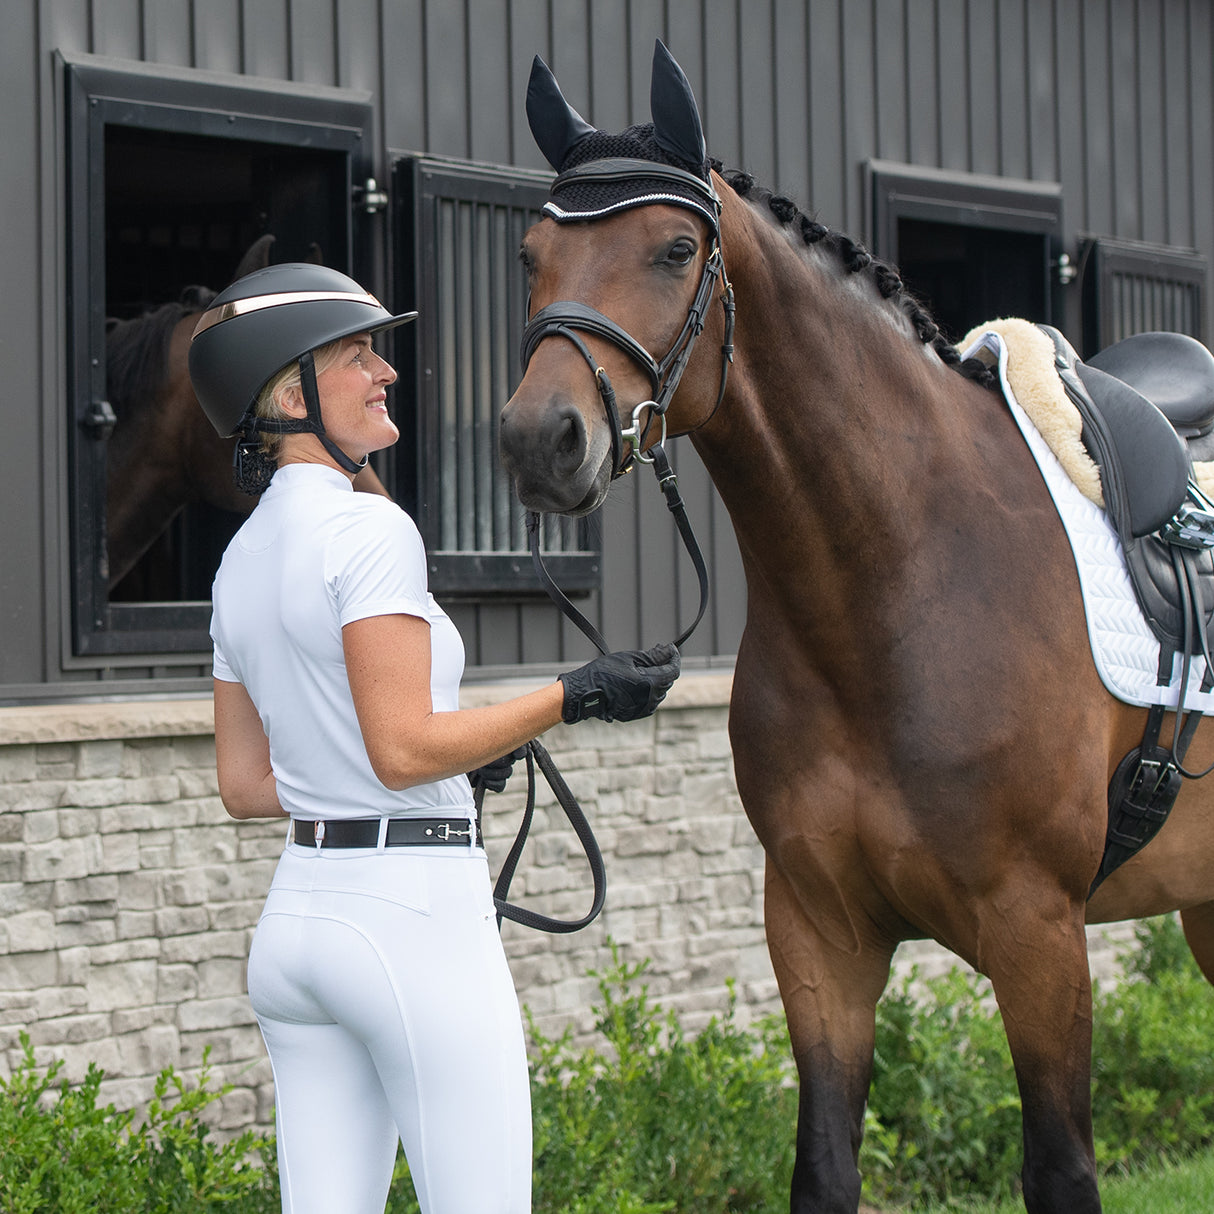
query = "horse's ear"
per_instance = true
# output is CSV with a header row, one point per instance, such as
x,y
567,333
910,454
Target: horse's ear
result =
x,y
676,119
556,125
256,257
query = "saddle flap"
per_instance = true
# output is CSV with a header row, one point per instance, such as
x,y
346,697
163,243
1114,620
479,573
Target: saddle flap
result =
x,y
1154,461
1144,466
1173,371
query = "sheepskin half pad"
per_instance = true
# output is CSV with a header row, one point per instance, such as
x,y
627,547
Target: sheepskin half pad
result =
x,y
1124,648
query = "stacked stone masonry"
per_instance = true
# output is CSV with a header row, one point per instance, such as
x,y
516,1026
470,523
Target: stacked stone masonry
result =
x,y
128,898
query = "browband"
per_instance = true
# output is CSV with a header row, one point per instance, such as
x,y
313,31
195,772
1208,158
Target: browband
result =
x,y
625,168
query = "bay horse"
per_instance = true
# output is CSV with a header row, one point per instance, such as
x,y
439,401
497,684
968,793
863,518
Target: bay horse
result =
x,y
921,739
163,454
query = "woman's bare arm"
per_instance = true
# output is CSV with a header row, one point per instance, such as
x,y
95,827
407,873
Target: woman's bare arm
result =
x,y
242,755
388,665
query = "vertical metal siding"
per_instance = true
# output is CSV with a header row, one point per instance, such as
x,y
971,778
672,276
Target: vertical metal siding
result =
x,y
1110,98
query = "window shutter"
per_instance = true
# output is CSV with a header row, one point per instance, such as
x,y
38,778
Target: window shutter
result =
x,y
463,225
1134,287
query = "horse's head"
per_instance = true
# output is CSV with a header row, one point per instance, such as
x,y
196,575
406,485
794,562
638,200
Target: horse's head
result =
x,y
622,272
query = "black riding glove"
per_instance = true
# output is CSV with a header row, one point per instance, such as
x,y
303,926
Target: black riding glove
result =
x,y
620,686
493,776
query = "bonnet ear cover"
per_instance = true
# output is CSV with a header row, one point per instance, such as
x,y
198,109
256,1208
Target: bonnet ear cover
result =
x,y
555,124
676,119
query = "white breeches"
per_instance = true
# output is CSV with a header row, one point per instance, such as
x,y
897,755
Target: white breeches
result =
x,y
388,1010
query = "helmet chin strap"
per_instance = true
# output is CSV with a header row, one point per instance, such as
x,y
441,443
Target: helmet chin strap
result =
x,y
311,424
307,368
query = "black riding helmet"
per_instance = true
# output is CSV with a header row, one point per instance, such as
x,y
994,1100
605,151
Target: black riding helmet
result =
x,y
266,321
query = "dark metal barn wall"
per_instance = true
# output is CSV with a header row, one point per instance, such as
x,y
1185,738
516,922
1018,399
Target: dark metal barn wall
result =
x,y
1110,99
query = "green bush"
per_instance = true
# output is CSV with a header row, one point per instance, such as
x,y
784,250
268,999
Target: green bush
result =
x,y
656,1122
61,1153
944,1113
660,1121
1152,1066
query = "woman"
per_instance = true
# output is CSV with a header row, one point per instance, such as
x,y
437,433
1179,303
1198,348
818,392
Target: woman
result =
x,y
376,971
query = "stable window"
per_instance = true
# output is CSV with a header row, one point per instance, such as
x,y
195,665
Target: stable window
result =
x,y
1133,287
459,227
172,178
971,247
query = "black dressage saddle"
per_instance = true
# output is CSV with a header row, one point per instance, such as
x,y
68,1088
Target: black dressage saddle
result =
x,y
1147,405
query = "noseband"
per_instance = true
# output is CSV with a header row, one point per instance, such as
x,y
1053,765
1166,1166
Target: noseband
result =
x,y
566,318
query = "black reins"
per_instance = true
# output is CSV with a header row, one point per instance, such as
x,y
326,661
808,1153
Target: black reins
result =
x,y
567,319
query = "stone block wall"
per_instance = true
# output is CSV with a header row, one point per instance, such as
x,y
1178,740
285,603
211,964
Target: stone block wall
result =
x,y
128,897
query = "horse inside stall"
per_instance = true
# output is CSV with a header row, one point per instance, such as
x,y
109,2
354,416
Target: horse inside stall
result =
x,y
921,739
163,454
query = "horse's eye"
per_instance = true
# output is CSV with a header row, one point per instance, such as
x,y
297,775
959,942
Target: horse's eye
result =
x,y
527,264
681,253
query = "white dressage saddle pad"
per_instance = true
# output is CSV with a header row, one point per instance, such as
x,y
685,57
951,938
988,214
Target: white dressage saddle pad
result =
x,y
1124,648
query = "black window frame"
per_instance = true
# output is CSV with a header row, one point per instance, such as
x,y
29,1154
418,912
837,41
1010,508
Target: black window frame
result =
x,y
101,92
458,227
898,191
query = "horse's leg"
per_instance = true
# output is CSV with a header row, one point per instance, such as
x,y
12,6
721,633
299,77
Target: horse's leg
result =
x,y
830,994
1198,924
1037,961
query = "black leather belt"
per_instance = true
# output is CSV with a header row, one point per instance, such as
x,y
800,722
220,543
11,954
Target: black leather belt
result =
x,y
402,832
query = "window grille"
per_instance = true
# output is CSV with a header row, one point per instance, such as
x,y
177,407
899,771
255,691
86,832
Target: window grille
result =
x,y
1133,287
460,227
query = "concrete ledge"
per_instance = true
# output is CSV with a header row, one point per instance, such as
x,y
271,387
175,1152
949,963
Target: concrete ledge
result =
x,y
42,723
99,722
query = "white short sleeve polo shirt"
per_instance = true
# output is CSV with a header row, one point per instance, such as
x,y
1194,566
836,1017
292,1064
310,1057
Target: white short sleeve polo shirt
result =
x,y
312,557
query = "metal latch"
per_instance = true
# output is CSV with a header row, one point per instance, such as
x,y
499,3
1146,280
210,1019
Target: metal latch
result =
x,y
370,197
99,419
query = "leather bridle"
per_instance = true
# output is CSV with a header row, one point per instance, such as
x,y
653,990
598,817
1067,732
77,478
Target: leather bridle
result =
x,y
568,319
565,318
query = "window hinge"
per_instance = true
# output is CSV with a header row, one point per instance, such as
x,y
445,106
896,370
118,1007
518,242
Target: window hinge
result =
x,y
1068,271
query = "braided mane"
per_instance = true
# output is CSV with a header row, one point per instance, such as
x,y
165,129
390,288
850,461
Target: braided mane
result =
x,y
857,259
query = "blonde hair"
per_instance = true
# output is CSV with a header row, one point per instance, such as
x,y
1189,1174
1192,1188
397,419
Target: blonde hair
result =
x,y
269,399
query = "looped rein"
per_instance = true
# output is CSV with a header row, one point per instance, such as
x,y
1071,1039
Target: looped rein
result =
x,y
536,754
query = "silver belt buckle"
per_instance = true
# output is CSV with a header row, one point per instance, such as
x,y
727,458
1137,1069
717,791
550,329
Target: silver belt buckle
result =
x,y
444,832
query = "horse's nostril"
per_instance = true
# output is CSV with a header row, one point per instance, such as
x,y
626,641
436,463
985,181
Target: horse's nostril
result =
x,y
556,436
571,436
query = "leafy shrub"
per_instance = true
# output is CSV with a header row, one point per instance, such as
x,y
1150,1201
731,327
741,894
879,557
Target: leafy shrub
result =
x,y
656,1122
662,1122
61,1153
944,1112
1152,1067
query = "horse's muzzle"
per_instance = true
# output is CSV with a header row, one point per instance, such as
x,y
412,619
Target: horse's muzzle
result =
x,y
557,464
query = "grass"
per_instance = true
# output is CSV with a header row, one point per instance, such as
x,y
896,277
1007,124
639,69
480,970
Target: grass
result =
x,y
1182,1186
